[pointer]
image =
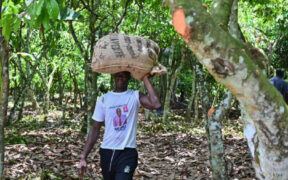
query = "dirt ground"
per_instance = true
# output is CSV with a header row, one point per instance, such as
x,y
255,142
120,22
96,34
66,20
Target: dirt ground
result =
x,y
52,151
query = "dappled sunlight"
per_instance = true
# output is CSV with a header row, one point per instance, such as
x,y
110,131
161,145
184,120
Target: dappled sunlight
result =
x,y
164,153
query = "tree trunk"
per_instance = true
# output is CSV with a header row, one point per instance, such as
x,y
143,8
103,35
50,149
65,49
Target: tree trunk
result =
x,y
91,95
4,86
214,134
5,83
32,98
206,100
61,87
170,89
3,52
227,60
196,105
90,77
192,96
48,84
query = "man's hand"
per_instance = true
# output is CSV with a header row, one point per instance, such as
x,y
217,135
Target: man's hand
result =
x,y
146,77
158,70
82,167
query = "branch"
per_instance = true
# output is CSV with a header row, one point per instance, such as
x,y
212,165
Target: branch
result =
x,y
99,25
220,11
97,4
51,75
138,17
79,45
88,8
122,17
281,36
19,68
38,72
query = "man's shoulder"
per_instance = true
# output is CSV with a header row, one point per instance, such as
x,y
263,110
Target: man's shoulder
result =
x,y
129,91
107,94
278,79
272,79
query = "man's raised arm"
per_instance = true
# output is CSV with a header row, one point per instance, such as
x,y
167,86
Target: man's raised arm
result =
x,y
151,101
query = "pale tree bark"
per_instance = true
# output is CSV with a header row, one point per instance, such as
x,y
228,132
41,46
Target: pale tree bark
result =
x,y
214,134
249,128
200,79
226,58
33,99
233,25
220,11
205,96
222,14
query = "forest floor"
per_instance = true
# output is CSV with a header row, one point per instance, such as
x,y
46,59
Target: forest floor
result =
x,y
50,149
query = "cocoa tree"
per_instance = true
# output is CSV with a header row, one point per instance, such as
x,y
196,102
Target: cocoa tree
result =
x,y
228,60
4,87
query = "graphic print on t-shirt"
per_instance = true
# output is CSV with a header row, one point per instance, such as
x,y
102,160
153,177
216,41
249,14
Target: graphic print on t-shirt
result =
x,y
120,119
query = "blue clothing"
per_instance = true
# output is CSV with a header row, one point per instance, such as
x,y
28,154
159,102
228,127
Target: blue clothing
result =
x,y
280,84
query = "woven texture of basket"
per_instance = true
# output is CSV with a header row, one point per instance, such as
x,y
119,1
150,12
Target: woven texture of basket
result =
x,y
118,52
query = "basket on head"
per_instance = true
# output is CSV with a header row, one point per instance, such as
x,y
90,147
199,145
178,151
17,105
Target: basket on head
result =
x,y
118,52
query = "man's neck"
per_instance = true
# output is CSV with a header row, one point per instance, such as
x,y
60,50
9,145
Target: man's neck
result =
x,y
120,90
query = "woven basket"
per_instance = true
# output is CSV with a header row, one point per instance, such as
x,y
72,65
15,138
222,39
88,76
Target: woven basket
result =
x,y
117,52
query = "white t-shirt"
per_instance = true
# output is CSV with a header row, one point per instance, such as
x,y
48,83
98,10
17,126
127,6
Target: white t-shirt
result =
x,y
120,113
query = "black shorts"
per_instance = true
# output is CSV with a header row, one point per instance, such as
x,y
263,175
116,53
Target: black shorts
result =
x,y
118,164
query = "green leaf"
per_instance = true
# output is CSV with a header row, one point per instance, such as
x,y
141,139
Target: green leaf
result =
x,y
45,19
6,25
52,8
68,14
16,23
123,3
38,7
31,11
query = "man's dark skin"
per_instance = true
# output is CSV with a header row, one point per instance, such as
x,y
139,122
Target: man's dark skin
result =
x,y
121,81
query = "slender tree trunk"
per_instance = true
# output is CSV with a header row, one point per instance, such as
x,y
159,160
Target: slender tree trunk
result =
x,y
170,89
163,88
4,55
90,77
5,84
198,72
192,96
21,107
214,134
146,111
64,107
91,95
32,98
204,95
61,87
196,105
2,49
48,85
